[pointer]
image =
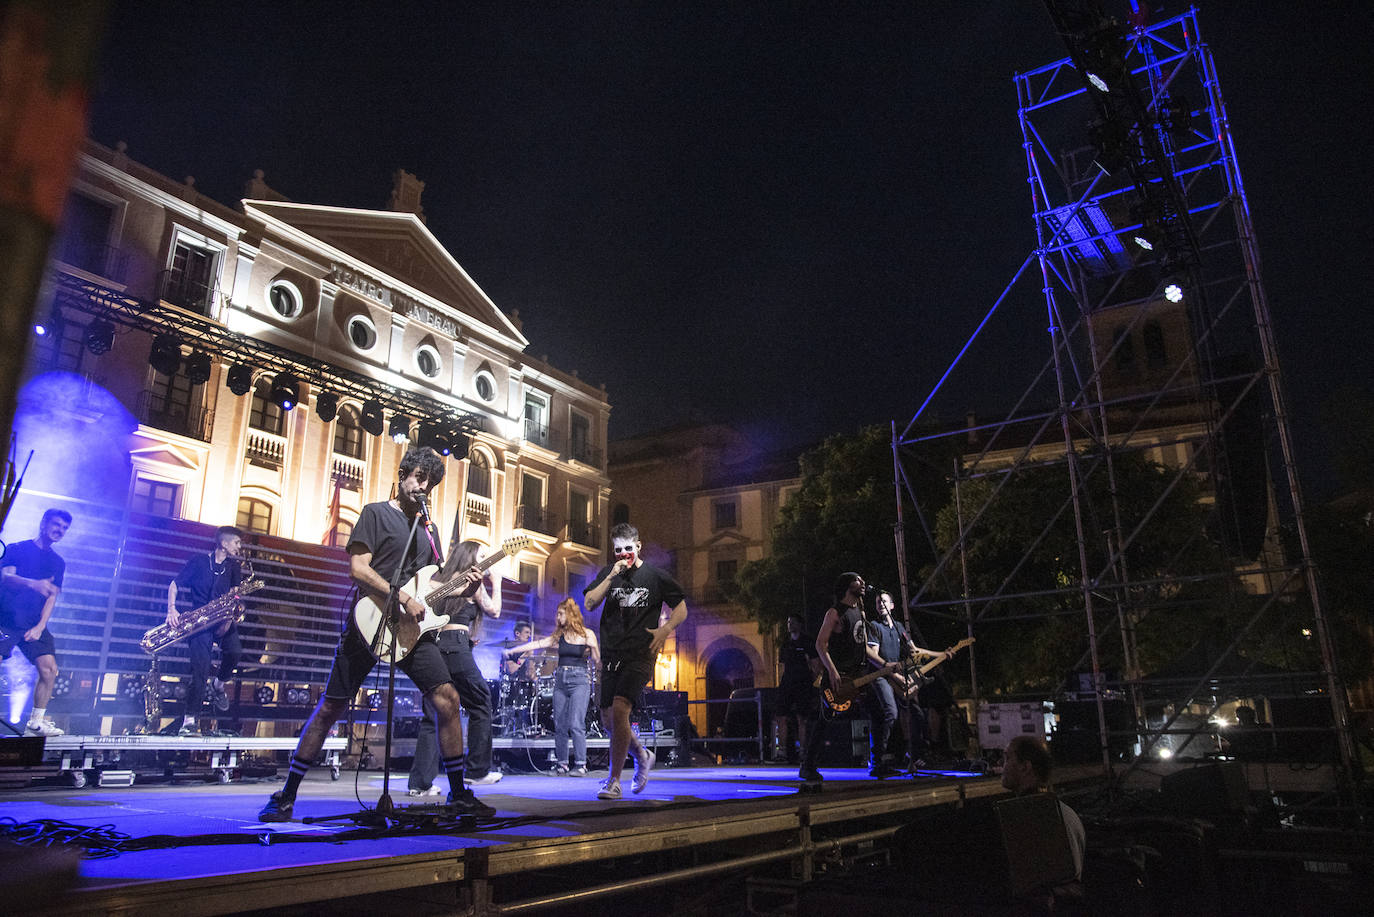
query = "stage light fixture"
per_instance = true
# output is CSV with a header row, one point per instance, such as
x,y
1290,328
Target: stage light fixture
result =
x,y
1149,236
198,367
1173,292
165,355
52,326
370,417
99,336
374,700
326,406
286,390
298,697
433,435
399,431
264,695
1104,56
460,443
240,379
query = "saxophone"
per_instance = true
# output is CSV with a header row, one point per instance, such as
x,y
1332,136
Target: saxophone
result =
x,y
219,612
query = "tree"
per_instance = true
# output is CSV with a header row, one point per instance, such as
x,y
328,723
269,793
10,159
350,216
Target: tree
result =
x,y
840,519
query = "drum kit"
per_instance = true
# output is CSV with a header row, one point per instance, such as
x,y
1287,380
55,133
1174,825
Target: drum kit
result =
x,y
524,706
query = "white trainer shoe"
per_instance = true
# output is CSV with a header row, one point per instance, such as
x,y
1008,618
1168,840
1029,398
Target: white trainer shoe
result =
x,y
44,727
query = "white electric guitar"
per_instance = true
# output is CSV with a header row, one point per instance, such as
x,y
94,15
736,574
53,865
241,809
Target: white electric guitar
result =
x,y
369,617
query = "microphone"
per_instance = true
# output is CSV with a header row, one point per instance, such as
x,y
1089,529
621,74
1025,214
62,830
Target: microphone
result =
x,y
420,498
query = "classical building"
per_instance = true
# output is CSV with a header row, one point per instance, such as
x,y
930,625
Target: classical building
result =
x,y
271,362
705,500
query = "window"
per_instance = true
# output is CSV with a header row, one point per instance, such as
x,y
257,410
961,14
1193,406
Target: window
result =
x,y
348,433
576,583
529,575
479,476
621,514
285,298
531,510
485,385
264,414
170,403
156,498
255,515
1155,355
85,239
427,361
340,533
724,514
537,418
580,438
579,518
726,571
1125,349
362,334
189,281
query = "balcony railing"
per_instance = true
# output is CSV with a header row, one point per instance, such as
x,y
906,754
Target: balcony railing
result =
x,y
585,453
349,471
180,290
478,510
535,519
536,432
582,532
265,449
192,420
94,257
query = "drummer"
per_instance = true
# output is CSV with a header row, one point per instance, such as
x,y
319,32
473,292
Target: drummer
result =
x,y
575,643
519,677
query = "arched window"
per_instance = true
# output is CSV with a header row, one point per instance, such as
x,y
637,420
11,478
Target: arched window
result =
x,y
348,433
479,475
1156,356
255,515
263,414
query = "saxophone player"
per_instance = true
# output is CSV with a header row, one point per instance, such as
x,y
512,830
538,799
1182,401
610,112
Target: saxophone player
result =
x,y
202,579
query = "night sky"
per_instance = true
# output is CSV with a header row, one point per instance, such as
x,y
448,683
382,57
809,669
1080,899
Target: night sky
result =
x,y
783,216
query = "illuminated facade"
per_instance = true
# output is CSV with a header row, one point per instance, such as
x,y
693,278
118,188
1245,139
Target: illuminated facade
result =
x,y
358,305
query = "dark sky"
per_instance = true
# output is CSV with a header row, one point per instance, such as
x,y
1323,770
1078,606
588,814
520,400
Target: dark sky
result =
x,y
785,216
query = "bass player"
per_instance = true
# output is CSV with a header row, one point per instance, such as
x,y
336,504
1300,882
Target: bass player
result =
x,y
379,543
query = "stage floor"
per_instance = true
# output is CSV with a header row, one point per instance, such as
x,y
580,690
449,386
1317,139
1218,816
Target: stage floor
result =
x,y
200,847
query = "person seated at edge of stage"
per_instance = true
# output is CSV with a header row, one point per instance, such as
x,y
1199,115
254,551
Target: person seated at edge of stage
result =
x,y
376,546
571,684
30,582
1026,769
635,594
456,640
842,646
203,578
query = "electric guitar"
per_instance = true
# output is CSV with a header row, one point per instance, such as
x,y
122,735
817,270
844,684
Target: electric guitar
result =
x,y
370,618
839,698
916,677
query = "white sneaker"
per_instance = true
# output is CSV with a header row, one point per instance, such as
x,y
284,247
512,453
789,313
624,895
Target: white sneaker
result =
x,y
486,779
642,768
432,791
609,790
43,727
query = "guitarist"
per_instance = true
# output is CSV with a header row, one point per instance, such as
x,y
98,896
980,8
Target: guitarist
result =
x,y
377,545
889,641
842,646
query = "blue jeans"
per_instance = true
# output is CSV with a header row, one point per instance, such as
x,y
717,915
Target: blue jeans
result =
x,y
475,696
882,714
571,691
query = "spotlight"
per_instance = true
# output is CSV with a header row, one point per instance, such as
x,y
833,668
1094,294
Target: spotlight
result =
x,y
370,417
298,697
1173,292
1104,56
264,695
326,406
165,355
52,326
374,700
62,686
240,379
198,367
399,431
435,436
99,336
459,443
1149,236
285,392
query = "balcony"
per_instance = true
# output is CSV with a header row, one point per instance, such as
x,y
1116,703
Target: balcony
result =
x,y
179,289
477,510
95,258
348,471
585,454
537,433
157,410
535,519
584,533
265,449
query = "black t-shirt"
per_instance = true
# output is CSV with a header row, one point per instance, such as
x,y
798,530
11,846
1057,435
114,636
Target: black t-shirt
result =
x,y
198,582
381,531
633,604
847,641
21,606
793,656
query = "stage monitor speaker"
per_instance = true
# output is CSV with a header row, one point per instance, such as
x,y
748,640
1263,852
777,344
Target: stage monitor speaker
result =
x,y
1212,791
846,743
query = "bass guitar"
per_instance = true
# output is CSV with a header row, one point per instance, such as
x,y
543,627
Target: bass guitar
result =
x,y
370,617
839,698
917,676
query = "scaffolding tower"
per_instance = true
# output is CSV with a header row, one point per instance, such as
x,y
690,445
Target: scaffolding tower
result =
x,y
1161,391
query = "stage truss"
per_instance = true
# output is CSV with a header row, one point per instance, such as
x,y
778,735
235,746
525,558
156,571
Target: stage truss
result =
x,y
1193,385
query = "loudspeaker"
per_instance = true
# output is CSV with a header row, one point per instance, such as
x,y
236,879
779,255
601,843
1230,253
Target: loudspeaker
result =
x,y
846,743
1213,791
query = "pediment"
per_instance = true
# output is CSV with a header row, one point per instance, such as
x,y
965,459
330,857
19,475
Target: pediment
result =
x,y
147,449
726,539
394,245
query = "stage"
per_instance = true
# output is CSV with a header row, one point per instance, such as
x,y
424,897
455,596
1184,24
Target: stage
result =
x,y
199,849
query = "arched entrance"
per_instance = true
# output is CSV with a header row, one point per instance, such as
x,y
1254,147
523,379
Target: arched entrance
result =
x,y
728,669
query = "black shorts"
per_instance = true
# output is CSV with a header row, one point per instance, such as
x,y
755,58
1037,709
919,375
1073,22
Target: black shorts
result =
x,y
43,646
353,662
624,678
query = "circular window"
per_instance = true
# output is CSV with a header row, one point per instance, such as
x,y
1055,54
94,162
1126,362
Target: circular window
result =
x,y
362,334
427,360
485,385
284,298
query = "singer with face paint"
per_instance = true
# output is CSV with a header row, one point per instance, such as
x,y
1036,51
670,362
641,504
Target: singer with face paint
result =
x,y
631,637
